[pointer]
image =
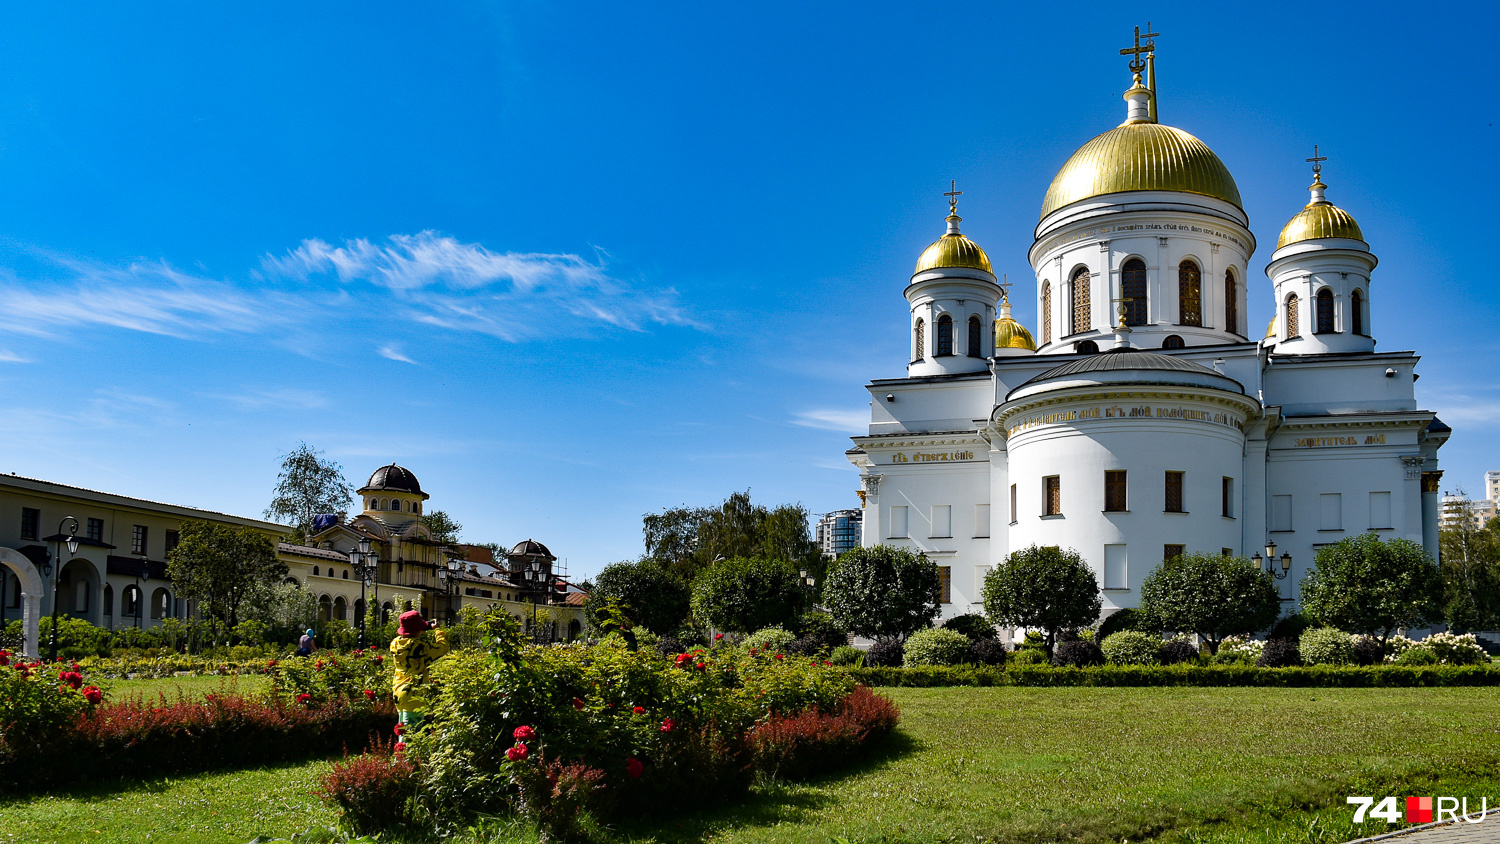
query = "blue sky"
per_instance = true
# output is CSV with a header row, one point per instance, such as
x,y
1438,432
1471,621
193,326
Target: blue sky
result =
x,y
575,263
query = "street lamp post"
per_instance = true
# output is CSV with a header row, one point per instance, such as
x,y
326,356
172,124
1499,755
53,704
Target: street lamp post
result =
x,y
449,576
533,577
1270,559
366,568
71,540
808,583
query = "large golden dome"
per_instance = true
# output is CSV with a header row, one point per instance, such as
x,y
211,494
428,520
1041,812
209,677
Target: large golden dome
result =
x,y
1320,218
1141,156
953,250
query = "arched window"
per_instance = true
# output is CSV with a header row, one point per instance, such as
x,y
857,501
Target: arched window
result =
x,y
325,608
109,601
1357,312
374,504
1231,303
976,342
1172,342
1133,283
417,507
132,602
944,336
1292,325
1088,347
161,600
1325,312
1189,294
346,574
384,505
1083,317
341,608
1046,312
315,571
921,337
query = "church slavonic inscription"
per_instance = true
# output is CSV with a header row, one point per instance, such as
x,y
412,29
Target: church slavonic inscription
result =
x,y
931,457
1117,412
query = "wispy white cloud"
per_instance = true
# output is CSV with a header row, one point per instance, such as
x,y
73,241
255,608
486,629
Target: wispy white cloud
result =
x,y
7,356
847,421
465,286
393,351
289,398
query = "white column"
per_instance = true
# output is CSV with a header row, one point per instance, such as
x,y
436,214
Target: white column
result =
x,y
31,615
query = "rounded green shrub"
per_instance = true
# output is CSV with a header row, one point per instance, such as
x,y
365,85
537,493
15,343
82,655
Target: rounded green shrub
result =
x,y
1131,647
1367,651
1456,649
1174,651
1326,646
1417,656
1028,656
986,652
885,653
936,646
973,625
846,655
1078,653
1279,653
772,639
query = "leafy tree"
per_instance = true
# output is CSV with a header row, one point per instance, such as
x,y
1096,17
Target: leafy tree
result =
x,y
1211,595
644,591
309,486
672,539
1470,562
1363,585
686,540
1045,588
220,566
443,528
747,593
882,592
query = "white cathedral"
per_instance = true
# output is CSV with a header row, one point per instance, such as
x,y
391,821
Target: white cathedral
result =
x,y
1145,420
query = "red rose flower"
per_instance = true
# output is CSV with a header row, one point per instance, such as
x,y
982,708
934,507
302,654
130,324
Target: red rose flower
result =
x,y
718,636
400,747
577,704
517,753
524,733
369,694
379,659
76,667
634,768
93,695
639,710
666,725
304,698
4,658
700,666
271,664
399,729
318,665
681,658
778,656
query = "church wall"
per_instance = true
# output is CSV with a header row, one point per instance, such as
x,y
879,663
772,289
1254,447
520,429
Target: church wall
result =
x,y
1303,387
961,487
929,406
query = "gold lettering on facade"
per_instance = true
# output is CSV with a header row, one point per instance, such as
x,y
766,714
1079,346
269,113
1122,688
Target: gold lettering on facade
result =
x,y
1116,412
929,457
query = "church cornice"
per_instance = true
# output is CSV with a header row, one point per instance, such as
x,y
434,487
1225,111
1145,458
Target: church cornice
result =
x,y
1074,395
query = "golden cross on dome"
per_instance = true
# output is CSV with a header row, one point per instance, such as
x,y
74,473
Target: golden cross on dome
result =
x,y
1317,163
1136,65
953,194
1005,287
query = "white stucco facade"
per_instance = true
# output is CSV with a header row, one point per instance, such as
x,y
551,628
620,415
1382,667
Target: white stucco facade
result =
x,y
1143,420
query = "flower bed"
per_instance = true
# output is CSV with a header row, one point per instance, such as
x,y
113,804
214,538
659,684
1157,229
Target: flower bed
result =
x,y
1326,676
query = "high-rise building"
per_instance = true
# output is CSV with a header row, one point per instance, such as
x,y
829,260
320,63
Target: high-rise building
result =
x,y
838,532
1492,486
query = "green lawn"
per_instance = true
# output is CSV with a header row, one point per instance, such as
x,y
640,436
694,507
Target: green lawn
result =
x,y
187,686
1012,765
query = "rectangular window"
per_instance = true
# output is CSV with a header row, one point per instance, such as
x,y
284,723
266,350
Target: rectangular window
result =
x,y
172,539
1226,552
1114,491
1169,552
1116,567
981,521
1051,496
1174,493
942,521
1281,512
96,530
138,539
945,584
1331,506
898,522
1226,488
1012,503
30,519
1380,510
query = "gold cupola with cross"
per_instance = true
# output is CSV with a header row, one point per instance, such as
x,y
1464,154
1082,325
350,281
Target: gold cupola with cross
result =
x,y
1011,337
953,297
1319,218
953,250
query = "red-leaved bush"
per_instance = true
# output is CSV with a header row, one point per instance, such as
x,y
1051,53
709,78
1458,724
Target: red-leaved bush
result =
x,y
374,790
812,741
143,738
553,794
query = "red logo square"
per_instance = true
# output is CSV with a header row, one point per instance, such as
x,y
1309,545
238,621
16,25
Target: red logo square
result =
x,y
1419,810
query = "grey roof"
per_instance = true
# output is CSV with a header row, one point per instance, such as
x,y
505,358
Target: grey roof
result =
x,y
310,551
530,548
1128,360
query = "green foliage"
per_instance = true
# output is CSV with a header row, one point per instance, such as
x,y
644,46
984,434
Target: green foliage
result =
x,y
1417,656
1028,656
771,640
1369,586
1131,647
847,656
35,704
686,540
1044,588
882,592
747,593
1186,674
1451,649
1126,619
936,646
973,625
76,638
309,486
1470,560
444,528
219,566
820,629
646,593
1326,646
1211,595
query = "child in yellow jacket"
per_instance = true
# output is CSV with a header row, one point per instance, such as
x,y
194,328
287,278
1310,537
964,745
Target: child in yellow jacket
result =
x,y
416,647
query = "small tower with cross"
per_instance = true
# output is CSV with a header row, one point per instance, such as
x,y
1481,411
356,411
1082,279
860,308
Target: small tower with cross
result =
x,y
954,298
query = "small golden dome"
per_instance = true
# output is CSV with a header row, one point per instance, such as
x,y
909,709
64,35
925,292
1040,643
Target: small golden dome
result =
x,y
1141,156
1319,219
953,250
1010,334
1271,328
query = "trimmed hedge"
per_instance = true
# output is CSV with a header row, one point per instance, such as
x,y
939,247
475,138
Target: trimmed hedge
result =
x,y
1322,676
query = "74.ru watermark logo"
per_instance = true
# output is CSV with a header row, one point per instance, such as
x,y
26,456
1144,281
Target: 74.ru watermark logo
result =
x,y
1418,809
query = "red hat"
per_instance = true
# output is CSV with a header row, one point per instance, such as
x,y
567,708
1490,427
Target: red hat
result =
x,y
412,624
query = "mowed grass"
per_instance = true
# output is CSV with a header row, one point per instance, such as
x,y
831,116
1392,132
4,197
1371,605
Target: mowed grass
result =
x,y
189,687
1002,765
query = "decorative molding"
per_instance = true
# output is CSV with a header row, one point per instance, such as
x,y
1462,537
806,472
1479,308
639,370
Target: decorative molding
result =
x,y
1430,480
1413,463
